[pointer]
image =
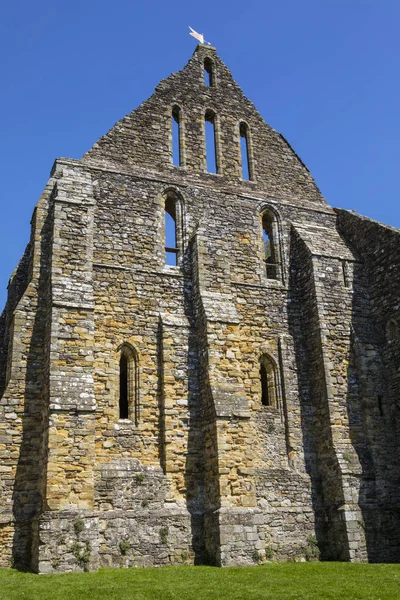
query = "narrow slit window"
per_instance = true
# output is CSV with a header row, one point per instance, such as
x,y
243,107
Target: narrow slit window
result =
x,y
269,382
264,385
211,149
208,73
244,151
270,258
128,384
380,406
171,247
345,273
123,387
176,136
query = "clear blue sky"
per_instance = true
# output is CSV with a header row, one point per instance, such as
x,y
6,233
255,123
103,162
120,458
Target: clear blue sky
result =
x,y
325,73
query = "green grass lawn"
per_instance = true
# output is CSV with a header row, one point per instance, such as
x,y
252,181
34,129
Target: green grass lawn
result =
x,y
283,581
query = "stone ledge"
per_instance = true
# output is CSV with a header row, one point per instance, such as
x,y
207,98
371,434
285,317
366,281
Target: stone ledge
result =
x,y
90,165
73,306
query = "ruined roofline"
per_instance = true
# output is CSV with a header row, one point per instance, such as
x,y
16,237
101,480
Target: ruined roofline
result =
x,y
160,85
143,135
339,211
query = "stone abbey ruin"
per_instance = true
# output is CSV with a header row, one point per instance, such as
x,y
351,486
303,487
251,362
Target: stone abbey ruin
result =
x,y
223,390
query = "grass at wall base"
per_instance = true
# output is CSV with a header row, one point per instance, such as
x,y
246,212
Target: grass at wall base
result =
x,y
274,581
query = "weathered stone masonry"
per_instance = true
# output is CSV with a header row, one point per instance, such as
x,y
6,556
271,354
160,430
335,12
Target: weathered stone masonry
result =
x,y
261,376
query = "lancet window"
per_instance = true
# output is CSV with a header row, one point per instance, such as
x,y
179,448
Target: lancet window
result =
x,y
211,142
209,79
172,229
270,245
176,126
269,377
245,151
128,383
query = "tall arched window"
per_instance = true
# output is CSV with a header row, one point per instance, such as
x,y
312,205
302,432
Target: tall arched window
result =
x,y
176,136
173,228
208,72
271,247
128,383
211,142
123,387
270,388
245,151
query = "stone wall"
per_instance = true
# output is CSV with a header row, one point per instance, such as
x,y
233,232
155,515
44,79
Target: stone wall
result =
x,y
201,470
16,288
144,139
376,362
324,303
23,406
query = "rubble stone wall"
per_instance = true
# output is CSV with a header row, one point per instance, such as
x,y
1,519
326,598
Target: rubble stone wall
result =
x,y
376,358
23,403
201,470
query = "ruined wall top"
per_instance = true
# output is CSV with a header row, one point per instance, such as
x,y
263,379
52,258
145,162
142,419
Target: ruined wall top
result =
x,y
143,139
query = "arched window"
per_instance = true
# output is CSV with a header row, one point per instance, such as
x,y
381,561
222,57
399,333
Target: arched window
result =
x,y
245,151
123,387
211,142
128,383
271,248
176,136
208,72
270,388
173,229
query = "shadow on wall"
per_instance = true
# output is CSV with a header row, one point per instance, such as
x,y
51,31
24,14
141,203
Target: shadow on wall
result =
x,y
194,467
369,468
371,408
30,474
160,397
201,471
